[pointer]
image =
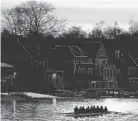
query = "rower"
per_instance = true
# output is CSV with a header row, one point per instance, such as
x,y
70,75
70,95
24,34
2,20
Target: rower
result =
x,y
76,109
86,109
94,109
101,109
80,110
91,109
97,109
83,109
105,109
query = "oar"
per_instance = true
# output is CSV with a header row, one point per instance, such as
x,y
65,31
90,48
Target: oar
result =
x,y
121,113
66,113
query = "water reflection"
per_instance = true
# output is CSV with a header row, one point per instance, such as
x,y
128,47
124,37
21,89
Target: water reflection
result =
x,y
14,108
54,102
50,110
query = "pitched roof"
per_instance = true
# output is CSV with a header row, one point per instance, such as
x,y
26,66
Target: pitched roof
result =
x,y
70,51
91,48
14,52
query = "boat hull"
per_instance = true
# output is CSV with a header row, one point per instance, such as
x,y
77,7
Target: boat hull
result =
x,y
86,114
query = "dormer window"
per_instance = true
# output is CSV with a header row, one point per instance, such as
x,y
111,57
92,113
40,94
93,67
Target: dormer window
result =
x,y
101,52
117,54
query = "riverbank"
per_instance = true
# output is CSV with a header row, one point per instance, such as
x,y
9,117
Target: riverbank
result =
x,y
36,96
11,97
29,96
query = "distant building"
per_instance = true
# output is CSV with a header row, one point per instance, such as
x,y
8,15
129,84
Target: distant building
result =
x,y
103,61
29,67
125,63
77,67
133,73
7,76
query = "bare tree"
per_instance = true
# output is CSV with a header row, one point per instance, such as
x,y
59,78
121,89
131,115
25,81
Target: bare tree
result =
x,y
96,33
133,29
12,21
112,32
97,30
32,17
74,32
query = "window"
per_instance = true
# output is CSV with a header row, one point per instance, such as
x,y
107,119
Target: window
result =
x,y
104,61
37,64
40,63
44,64
113,75
117,54
107,73
101,52
84,71
79,70
89,71
104,72
75,69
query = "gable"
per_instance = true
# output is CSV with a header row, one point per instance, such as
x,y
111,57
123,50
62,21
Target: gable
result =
x,y
101,52
15,52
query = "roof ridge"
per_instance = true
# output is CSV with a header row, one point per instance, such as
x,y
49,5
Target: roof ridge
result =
x,y
24,48
71,51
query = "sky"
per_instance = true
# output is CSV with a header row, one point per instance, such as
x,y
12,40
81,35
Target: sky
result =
x,y
86,13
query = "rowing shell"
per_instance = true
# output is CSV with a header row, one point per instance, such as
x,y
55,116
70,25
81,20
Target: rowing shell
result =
x,y
86,114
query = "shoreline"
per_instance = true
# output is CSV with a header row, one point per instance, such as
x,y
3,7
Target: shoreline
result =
x,y
24,96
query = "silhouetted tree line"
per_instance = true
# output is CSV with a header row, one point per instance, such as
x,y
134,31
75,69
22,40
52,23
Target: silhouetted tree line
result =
x,y
35,22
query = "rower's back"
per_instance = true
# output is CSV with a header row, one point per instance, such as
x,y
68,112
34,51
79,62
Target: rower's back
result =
x,y
97,109
101,109
105,109
94,109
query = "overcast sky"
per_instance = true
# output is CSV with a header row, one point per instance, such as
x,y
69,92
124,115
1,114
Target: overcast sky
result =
x,y
86,13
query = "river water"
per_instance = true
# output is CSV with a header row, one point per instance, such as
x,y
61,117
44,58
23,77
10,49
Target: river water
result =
x,y
50,110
